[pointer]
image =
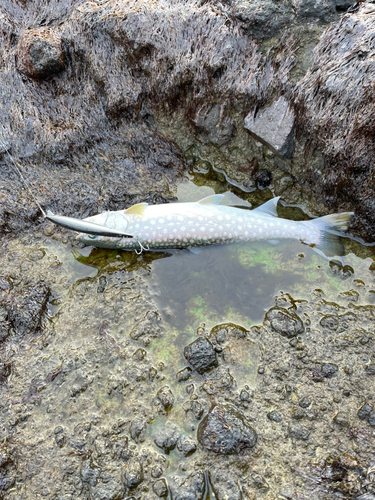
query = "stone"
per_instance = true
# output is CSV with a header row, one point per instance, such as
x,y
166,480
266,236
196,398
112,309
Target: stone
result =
x,y
138,429
299,432
275,416
225,484
342,419
186,446
191,488
160,488
330,322
284,322
217,129
201,355
40,53
184,374
370,369
343,5
166,397
167,437
365,411
274,127
224,430
133,474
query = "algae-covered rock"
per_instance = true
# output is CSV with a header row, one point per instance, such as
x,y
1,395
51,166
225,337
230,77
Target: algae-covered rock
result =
x,y
285,322
201,355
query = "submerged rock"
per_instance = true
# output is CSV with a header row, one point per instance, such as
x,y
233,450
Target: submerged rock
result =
x,y
160,488
191,488
167,437
201,355
284,322
166,397
226,431
274,127
40,53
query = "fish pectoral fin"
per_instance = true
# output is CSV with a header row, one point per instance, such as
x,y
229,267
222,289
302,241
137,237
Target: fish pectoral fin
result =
x,y
138,209
195,250
213,199
274,242
268,208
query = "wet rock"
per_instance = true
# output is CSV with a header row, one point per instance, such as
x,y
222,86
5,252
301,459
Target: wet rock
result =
x,y
89,474
138,429
275,416
274,127
186,446
343,5
60,440
184,374
257,481
284,322
201,355
226,431
225,484
370,369
365,411
195,407
133,474
328,370
166,397
299,432
160,488
263,178
149,326
244,396
342,419
304,402
371,419
216,128
191,488
167,437
26,307
330,322
40,53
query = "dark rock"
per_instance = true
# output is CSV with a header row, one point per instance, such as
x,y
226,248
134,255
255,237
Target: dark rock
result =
x,y
217,129
160,488
263,178
274,127
370,369
365,411
191,488
201,355
184,374
284,322
40,53
299,432
138,429
330,322
186,446
304,402
226,431
225,484
371,419
89,474
166,397
167,437
26,307
328,370
133,474
343,5
195,407
275,416
342,419
60,440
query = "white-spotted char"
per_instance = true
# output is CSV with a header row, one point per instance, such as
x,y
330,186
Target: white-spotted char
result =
x,y
202,223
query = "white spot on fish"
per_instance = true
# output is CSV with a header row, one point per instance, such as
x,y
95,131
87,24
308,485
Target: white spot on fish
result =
x,y
165,230
180,217
202,228
161,221
153,222
211,229
183,229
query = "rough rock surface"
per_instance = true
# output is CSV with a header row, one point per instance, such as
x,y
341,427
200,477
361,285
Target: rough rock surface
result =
x,y
201,355
225,431
285,322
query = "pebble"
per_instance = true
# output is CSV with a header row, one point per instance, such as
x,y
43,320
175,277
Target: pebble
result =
x,y
160,488
284,322
166,397
201,355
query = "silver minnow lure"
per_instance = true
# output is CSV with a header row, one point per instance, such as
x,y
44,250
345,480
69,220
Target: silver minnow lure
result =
x,y
202,223
83,226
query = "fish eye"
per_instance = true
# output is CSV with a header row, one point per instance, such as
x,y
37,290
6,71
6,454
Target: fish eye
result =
x,y
92,237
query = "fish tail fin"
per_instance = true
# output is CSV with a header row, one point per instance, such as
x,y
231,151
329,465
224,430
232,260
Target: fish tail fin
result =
x,y
331,228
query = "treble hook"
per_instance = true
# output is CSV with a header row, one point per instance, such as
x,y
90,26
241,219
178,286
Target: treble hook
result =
x,y
146,248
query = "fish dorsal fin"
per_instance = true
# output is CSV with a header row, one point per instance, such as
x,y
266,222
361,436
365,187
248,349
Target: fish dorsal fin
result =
x,y
268,208
138,209
213,199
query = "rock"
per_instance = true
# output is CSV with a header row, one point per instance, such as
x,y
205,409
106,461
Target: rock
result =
x,y
370,369
365,411
184,374
263,178
299,432
328,370
195,407
191,488
160,488
40,53
284,322
343,5
138,429
26,307
226,431
304,402
201,355
216,128
167,437
274,127
342,419
275,416
166,397
330,322
371,419
133,474
225,484
186,446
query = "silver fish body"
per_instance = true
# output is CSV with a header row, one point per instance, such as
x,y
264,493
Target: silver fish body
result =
x,y
189,225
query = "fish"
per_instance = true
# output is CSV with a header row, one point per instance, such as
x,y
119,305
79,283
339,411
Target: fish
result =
x,y
198,224
83,226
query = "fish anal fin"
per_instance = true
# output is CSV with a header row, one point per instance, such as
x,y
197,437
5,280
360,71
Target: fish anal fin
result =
x,y
138,209
268,208
213,199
